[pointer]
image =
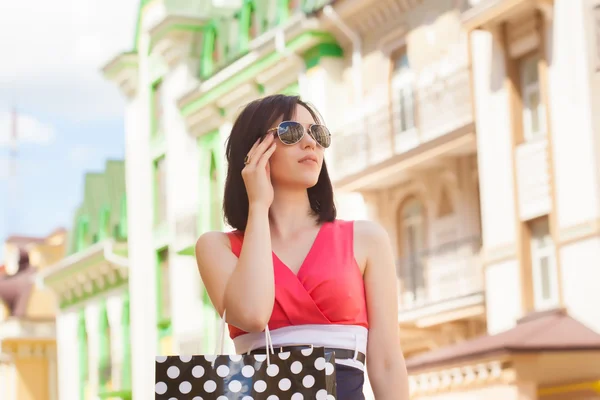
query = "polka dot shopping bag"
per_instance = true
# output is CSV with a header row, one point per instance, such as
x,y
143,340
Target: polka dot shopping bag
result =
x,y
304,374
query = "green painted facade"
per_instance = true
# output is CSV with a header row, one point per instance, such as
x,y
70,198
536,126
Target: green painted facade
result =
x,y
102,215
224,37
103,212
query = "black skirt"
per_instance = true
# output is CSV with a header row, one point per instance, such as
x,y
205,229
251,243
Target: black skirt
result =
x,y
350,383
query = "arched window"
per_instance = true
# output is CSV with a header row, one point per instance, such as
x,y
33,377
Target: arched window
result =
x,y
445,206
411,246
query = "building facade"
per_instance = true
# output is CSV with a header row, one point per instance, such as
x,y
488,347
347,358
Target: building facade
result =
x,y
449,130
90,285
28,359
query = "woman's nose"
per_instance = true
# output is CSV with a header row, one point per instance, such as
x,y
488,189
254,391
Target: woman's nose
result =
x,y
308,141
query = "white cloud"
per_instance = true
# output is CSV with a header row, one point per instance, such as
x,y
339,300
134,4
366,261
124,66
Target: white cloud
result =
x,y
53,65
29,130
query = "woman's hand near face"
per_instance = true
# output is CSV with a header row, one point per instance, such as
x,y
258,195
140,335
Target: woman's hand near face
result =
x,y
256,173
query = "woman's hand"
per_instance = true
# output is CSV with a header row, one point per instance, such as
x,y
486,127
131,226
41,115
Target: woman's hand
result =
x,y
256,173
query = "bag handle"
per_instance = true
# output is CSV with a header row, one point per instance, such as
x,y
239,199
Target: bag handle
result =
x,y
223,331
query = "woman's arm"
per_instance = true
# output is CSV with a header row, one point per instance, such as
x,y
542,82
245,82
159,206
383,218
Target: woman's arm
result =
x,y
385,361
245,287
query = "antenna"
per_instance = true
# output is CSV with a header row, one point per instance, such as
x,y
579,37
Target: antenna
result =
x,y
12,195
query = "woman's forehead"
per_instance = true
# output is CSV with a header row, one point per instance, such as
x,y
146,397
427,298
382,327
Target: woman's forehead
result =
x,y
301,115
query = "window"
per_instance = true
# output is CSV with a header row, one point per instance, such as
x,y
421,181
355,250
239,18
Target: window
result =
x,y
543,265
293,6
82,233
403,95
233,36
254,25
165,286
105,350
274,13
445,204
157,109
411,247
533,109
215,198
160,176
216,55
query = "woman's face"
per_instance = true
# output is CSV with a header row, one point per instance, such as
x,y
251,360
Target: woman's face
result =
x,y
297,165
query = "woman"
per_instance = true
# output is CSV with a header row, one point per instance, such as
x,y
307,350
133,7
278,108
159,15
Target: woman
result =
x,y
290,264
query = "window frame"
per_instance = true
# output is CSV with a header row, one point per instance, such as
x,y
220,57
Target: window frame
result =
x,y
537,254
413,294
531,60
403,80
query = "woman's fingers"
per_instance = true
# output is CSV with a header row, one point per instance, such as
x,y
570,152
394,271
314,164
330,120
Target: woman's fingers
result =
x,y
264,158
259,149
253,148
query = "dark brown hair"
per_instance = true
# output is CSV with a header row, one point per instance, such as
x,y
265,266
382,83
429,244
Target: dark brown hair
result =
x,y
252,123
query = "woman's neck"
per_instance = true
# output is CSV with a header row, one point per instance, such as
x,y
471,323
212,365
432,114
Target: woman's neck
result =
x,y
290,212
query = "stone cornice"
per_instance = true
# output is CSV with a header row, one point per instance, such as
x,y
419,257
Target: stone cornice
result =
x,y
206,105
123,70
491,12
87,273
173,37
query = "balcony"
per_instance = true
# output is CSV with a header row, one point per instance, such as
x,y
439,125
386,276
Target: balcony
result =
x,y
441,284
186,233
416,126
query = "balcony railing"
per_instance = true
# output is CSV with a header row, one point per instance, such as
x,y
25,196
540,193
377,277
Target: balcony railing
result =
x,y
387,128
448,272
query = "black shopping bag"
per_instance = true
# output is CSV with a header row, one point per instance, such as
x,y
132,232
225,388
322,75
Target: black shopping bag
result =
x,y
293,375
306,374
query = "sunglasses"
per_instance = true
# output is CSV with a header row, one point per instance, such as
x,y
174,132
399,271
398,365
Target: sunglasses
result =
x,y
291,132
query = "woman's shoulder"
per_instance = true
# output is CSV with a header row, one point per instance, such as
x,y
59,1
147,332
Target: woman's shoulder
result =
x,y
365,230
215,239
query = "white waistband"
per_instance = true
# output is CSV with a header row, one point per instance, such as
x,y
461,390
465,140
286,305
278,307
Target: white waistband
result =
x,y
350,337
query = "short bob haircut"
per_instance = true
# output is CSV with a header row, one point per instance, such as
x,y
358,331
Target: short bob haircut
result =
x,y
252,123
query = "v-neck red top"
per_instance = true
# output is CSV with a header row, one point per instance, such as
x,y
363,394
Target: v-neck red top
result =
x,y
328,288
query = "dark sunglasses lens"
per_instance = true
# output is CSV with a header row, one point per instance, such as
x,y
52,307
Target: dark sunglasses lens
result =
x,y
321,135
290,132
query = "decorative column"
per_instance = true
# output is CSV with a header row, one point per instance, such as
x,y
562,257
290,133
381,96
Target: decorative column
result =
x,y
83,356
126,337
104,350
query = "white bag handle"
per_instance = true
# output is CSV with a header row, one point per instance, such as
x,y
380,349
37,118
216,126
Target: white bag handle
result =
x,y
220,350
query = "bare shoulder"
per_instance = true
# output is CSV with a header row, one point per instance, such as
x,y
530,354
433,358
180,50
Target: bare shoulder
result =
x,y
212,246
370,238
210,240
370,233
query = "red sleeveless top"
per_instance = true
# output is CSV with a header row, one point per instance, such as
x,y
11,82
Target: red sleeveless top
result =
x,y
329,287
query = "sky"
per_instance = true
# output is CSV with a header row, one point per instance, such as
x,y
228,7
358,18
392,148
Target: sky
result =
x,y
70,119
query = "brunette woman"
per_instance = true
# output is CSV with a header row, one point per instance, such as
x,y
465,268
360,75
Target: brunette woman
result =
x,y
290,264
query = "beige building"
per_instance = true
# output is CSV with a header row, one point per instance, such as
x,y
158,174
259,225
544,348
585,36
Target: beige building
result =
x,y
465,127
469,134
28,363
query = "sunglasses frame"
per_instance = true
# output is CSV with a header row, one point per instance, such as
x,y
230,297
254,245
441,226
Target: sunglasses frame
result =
x,y
305,131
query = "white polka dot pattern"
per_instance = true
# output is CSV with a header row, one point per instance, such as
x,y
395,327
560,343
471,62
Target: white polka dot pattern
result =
x,y
295,375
